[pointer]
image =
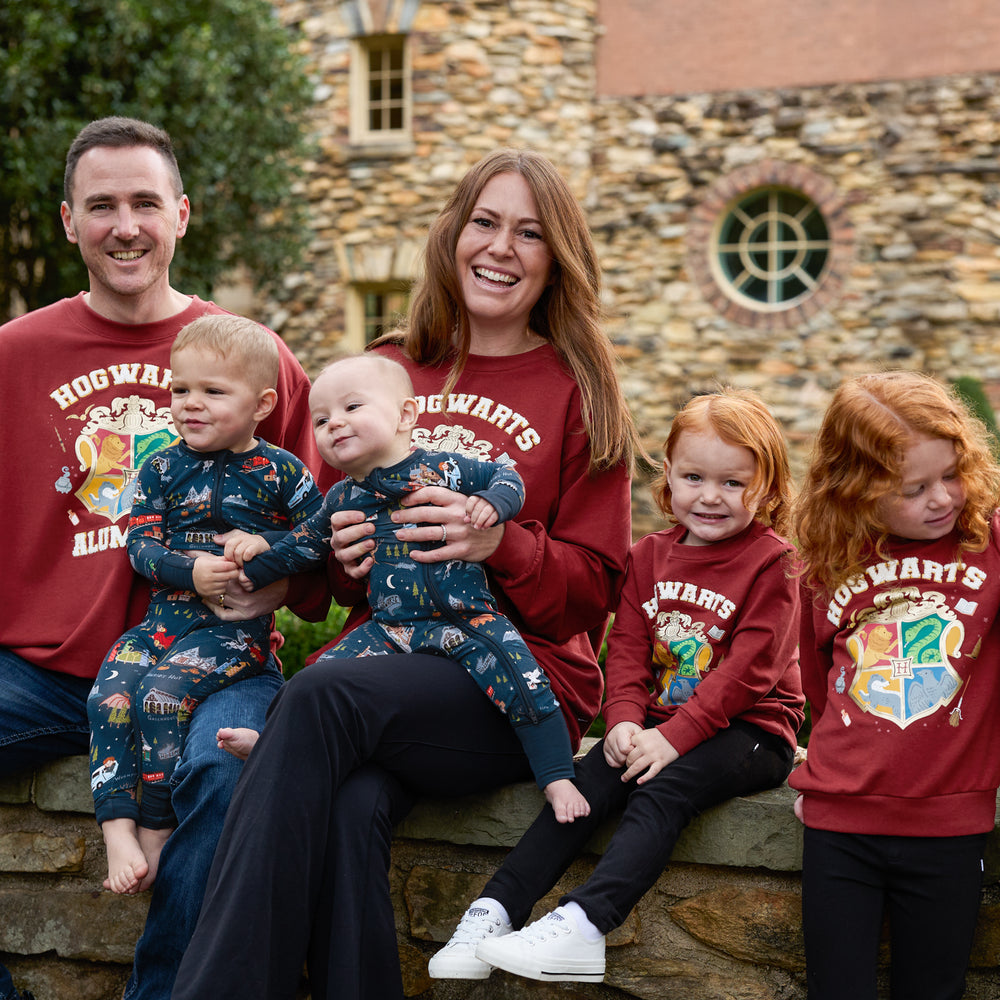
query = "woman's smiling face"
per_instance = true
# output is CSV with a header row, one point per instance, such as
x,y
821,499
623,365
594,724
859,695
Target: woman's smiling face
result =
x,y
502,259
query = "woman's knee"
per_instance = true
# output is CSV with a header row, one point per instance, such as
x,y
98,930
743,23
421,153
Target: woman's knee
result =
x,y
370,801
325,679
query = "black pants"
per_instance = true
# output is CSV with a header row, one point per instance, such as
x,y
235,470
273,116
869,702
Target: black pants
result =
x,y
930,888
739,760
301,872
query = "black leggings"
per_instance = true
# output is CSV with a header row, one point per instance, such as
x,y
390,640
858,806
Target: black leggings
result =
x,y
738,760
928,886
301,871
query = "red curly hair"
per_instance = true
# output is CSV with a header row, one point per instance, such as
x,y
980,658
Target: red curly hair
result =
x,y
857,461
740,418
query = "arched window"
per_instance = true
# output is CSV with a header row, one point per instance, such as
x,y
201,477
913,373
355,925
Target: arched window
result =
x,y
772,249
769,244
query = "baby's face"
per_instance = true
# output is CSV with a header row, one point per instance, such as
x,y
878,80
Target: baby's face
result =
x,y
213,406
359,417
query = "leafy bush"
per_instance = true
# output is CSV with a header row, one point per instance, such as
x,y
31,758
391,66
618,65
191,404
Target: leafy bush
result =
x,y
971,390
223,78
303,638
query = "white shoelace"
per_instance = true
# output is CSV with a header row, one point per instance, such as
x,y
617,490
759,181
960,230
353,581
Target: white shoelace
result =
x,y
476,923
550,926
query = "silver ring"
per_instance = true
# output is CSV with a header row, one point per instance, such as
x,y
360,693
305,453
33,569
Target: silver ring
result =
x,y
444,534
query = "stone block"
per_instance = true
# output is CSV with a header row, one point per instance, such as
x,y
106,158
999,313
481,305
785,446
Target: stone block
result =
x,y
64,786
986,944
493,819
757,831
756,925
91,925
58,979
15,788
36,851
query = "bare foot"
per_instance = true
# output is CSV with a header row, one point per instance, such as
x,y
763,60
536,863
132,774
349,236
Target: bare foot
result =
x,y
566,801
127,865
151,842
239,742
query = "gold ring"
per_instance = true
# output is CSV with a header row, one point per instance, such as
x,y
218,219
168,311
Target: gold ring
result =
x,y
222,600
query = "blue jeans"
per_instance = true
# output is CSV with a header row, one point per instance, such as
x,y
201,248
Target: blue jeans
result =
x,y
44,716
201,787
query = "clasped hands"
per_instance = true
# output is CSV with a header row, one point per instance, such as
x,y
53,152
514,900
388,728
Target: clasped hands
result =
x,y
224,590
638,750
470,531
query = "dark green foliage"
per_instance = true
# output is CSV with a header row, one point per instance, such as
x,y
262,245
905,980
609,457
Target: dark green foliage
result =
x,y
303,638
971,390
597,727
219,75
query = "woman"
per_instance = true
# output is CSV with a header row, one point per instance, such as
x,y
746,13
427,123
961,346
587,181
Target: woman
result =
x,y
508,361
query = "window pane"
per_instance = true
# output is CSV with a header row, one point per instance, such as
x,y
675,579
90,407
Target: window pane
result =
x,y
772,248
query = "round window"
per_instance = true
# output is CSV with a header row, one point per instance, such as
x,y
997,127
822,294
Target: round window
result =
x,y
772,249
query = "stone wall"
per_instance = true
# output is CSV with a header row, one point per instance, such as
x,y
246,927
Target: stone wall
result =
x,y
722,921
484,75
914,166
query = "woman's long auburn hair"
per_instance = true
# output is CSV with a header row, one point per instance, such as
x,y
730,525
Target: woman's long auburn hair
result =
x,y
740,418
567,315
857,461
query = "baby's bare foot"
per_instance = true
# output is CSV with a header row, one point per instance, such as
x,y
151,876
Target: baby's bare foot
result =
x,y
127,865
238,741
566,800
151,842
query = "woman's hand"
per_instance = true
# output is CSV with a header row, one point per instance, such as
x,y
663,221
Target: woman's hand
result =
x,y
349,539
436,508
651,752
239,604
618,742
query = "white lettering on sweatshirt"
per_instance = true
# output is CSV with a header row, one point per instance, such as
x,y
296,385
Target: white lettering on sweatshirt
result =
x,y
896,571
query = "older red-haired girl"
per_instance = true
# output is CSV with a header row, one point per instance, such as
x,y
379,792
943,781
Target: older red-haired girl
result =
x,y
897,531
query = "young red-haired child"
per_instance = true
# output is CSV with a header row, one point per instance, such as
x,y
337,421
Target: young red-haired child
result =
x,y
703,698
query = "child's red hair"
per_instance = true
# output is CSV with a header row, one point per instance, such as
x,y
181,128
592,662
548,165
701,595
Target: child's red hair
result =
x,y
857,461
740,418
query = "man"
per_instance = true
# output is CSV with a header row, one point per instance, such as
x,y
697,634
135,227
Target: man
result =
x,y
85,398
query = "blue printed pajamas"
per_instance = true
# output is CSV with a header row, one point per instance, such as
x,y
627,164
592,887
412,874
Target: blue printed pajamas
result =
x,y
442,608
158,672
141,703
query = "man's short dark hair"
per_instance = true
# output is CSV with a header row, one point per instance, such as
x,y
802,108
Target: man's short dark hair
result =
x,y
121,133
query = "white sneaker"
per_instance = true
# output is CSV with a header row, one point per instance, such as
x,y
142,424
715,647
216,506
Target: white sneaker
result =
x,y
457,959
551,949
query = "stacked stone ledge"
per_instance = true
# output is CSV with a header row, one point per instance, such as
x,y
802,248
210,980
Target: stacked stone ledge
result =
x,y
722,921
